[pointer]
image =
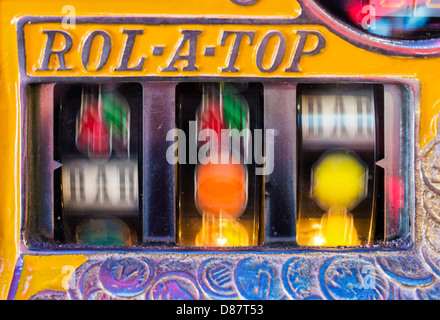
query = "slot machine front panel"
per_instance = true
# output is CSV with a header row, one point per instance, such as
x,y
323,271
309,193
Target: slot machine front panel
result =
x,y
207,149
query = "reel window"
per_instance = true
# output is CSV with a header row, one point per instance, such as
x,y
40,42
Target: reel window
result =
x,y
350,187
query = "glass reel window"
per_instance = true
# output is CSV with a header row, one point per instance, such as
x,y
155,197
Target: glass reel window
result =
x,y
219,193
97,141
349,173
90,154
340,145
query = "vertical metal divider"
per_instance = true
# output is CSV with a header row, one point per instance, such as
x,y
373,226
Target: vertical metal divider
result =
x,y
27,171
158,176
394,150
46,163
280,115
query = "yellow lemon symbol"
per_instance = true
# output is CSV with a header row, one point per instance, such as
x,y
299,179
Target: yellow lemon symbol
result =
x,y
339,180
338,185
